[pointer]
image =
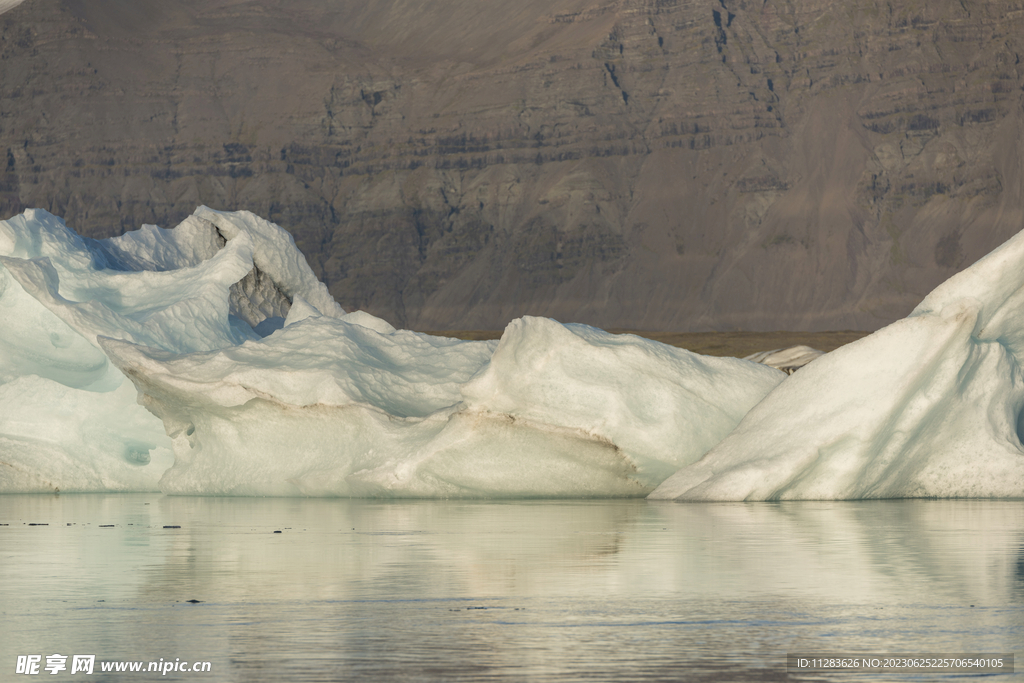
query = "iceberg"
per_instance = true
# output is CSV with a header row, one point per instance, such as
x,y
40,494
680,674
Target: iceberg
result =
x,y
930,406
331,407
209,359
69,419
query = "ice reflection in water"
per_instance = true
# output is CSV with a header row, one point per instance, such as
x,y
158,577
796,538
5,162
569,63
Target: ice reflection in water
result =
x,y
504,591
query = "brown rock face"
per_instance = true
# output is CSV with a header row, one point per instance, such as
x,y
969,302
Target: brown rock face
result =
x,y
647,164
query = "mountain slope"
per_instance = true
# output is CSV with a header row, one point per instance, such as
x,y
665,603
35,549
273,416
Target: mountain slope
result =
x,y
653,164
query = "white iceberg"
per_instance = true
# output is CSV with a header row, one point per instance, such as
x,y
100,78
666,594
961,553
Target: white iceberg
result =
x,y
69,420
264,386
247,378
329,407
930,406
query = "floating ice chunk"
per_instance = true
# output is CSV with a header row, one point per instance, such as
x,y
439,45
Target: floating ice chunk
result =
x,y
930,406
69,420
328,407
264,386
661,406
315,402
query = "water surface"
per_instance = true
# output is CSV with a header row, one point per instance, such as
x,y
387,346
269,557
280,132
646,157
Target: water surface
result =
x,y
516,591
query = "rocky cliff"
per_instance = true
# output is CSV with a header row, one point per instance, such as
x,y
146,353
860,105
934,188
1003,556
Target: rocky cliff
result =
x,y
649,164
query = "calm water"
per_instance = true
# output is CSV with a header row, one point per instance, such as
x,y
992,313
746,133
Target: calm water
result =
x,y
517,591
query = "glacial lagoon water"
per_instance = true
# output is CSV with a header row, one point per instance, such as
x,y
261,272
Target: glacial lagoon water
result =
x,y
601,590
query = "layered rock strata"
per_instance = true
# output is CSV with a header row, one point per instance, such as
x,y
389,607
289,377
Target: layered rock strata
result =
x,y
647,164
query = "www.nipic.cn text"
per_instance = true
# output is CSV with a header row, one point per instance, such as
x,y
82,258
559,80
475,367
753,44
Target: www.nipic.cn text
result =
x,y
86,664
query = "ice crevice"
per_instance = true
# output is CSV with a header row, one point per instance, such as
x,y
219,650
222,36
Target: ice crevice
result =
x,y
209,359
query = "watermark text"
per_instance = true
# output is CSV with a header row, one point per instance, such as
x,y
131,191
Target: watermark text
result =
x,y
31,665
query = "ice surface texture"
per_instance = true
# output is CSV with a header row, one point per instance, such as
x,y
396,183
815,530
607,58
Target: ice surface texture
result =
x,y
264,386
929,406
250,380
68,419
328,407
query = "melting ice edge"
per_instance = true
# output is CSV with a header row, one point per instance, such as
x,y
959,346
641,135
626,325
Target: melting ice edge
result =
x,y
208,359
